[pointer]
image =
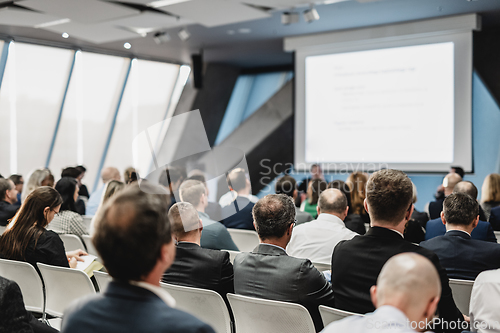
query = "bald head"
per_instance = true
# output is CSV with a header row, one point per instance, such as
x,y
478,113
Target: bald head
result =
x,y
450,181
110,173
467,188
332,201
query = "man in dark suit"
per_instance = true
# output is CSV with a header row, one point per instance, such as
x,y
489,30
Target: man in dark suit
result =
x,y
462,256
356,263
195,266
268,272
238,214
133,238
434,208
495,218
8,197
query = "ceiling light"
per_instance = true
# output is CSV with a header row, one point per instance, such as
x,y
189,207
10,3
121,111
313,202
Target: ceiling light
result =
x,y
52,23
163,3
161,37
65,35
244,31
127,45
311,15
184,34
230,32
289,18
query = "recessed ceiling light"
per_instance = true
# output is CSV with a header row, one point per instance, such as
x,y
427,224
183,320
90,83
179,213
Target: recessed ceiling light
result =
x,y
289,18
184,34
162,3
127,45
311,15
244,31
231,32
52,23
65,35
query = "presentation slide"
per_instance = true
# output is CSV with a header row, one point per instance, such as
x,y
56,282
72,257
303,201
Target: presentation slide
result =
x,y
392,105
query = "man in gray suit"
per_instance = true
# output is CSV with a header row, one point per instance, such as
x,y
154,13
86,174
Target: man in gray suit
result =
x,y
268,272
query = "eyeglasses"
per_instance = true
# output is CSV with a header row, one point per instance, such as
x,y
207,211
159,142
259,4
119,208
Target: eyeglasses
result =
x,y
56,213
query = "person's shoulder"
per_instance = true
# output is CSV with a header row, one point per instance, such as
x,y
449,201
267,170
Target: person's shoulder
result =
x,y
71,215
215,255
180,321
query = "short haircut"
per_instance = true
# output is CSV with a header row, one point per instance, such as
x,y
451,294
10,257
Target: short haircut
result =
x,y
466,186
342,187
273,214
5,185
459,170
184,219
191,191
286,185
16,179
389,195
71,172
130,231
332,200
81,168
460,209
237,179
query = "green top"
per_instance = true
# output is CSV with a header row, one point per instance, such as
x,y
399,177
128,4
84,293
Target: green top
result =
x,y
308,208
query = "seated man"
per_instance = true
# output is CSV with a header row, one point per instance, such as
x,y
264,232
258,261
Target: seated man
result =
x,y
406,276
484,305
356,263
268,272
483,231
316,240
434,208
238,214
287,185
462,256
195,266
8,198
134,240
215,235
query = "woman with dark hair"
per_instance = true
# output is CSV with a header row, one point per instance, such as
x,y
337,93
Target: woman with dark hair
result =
x,y
26,238
316,186
68,221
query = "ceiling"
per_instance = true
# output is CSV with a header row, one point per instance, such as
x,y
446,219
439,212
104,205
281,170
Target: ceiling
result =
x,y
246,33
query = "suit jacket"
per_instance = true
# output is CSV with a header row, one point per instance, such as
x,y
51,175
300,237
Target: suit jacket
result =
x,y
356,264
7,211
268,272
14,317
127,308
356,223
197,267
215,235
420,217
464,257
435,208
483,231
495,218
238,214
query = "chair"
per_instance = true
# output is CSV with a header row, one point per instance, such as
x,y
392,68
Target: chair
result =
x,y
72,242
461,290
87,240
329,315
207,305
63,286
86,220
29,281
497,235
103,279
245,240
232,255
322,267
265,316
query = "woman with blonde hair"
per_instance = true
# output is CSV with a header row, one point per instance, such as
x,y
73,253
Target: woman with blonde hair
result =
x,y
357,188
490,193
37,178
112,187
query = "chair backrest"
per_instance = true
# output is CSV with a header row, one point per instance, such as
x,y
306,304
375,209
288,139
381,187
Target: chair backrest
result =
x,y
86,220
88,244
103,279
322,267
497,235
461,290
72,242
265,316
245,240
63,286
207,305
28,280
329,315
232,255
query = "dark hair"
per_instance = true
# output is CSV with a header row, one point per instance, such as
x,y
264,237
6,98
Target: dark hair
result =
x,y
389,194
29,223
16,179
342,187
317,186
172,175
460,209
237,179
71,172
357,188
5,186
130,231
273,214
467,187
66,187
459,170
286,185
81,168
330,202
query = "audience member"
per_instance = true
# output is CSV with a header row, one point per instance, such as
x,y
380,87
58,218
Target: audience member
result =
x,y
462,257
238,214
107,174
356,263
172,179
110,189
215,235
357,189
268,272
213,209
75,173
195,266
483,230
421,217
352,222
19,182
484,306
26,238
228,198
130,175
83,192
133,238
68,221
434,208
309,205
495,218
490,193
414,231
316,240
406,297
316,173
8,198
287,185
39,177
440,191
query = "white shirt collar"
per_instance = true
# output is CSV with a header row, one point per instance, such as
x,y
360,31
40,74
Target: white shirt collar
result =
x,y
330,218
158,291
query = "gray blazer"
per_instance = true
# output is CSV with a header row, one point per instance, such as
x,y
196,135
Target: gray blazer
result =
x,y
268,272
